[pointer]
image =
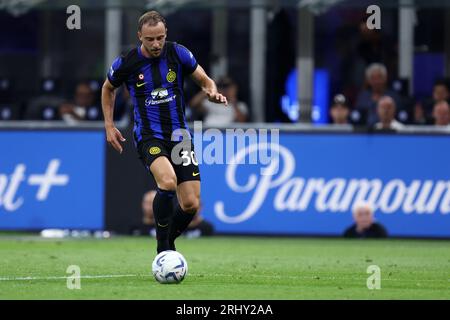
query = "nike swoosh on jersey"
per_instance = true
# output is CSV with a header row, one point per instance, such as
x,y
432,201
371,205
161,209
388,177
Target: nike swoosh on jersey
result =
x,y
140,84
195,174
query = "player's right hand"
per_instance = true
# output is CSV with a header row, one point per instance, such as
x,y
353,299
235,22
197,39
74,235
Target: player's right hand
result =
x,y
114,138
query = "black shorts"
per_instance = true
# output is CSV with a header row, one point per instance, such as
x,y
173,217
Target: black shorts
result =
x,y
183,159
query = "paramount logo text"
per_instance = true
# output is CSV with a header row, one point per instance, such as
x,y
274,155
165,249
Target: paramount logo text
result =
x,y
337,195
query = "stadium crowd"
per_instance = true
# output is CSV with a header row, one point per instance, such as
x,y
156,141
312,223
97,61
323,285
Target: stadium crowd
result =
x,y
362,65
376,106
381,108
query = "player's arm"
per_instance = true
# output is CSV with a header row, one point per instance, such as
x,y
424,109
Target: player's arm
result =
x,y
113,135
208,86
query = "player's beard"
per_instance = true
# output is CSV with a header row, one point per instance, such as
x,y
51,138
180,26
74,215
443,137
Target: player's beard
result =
x,y
155,52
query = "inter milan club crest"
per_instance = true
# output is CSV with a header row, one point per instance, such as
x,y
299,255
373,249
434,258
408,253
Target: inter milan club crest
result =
x,y
141,77
154,150
171,76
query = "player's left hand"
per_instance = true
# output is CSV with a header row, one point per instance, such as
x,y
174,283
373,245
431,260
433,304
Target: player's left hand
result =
x,y
217,97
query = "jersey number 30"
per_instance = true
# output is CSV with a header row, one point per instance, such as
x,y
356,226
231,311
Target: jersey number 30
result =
x,y
188,158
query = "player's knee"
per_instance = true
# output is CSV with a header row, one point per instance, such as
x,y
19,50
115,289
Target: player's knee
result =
x,y
190,204
167,182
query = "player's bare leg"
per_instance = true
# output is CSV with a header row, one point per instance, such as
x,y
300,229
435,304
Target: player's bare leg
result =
x,y
166,182
188,203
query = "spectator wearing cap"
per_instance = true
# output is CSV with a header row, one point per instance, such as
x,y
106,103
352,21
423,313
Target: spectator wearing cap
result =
x,y
386,110
441,114
367,101
217,115
339,110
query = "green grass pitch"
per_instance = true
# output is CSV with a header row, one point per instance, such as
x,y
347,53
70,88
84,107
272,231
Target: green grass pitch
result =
x,y
226,268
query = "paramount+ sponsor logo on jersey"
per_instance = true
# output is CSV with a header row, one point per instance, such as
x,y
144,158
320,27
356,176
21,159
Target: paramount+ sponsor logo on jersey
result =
x,y
335,195
159,96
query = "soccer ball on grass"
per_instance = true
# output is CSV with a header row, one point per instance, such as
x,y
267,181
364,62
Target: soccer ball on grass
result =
x,y
169,267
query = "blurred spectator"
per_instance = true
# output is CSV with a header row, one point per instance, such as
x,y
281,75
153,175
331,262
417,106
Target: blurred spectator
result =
x,y
386,113
198,226
441,113
6,90
9,110
374,46
424,110
83,106
419,115
357,46
339,110
45,106
366,103
440,91
218,114
364,226
123,103
148,219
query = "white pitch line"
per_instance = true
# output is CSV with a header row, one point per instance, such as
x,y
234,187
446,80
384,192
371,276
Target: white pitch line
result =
x,y
71,277
212,275
316,277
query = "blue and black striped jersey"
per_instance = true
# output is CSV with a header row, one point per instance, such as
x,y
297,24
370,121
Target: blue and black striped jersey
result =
x,y
156,88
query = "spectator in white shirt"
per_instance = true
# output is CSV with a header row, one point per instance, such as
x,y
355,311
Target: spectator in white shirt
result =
x,y
386,109
83,106
236,111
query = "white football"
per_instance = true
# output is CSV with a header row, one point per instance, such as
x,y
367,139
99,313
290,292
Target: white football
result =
x,y
169,267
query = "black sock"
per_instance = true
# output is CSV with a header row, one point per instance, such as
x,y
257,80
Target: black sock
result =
x,y
162,209
180,222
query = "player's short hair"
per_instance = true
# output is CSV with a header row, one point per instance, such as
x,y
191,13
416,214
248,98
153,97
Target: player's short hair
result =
x,y
151,18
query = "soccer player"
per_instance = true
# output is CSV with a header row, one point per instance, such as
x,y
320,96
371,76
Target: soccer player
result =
x,y
153,73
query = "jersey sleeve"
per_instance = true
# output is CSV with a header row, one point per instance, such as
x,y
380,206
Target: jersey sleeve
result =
x,y
187,58
116,74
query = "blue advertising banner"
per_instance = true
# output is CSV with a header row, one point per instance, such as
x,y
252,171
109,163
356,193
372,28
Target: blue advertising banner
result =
x,y
51,179
312,182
